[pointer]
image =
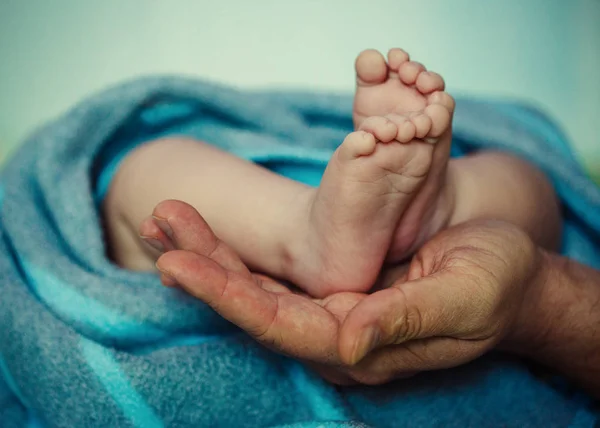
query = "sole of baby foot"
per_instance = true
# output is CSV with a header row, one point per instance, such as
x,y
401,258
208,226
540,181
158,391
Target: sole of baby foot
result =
x,y
368,187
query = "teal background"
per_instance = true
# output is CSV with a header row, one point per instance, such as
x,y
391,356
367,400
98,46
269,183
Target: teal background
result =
x,y
54,52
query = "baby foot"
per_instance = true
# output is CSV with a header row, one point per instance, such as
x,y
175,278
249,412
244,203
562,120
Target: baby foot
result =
x,y
368,185
404,86
396,86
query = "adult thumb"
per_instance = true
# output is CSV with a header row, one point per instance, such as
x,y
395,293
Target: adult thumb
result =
x,y
439,305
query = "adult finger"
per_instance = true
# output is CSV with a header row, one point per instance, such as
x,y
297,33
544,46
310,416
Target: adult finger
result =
x,y
440,305
400,361
286,322
188,230
333,375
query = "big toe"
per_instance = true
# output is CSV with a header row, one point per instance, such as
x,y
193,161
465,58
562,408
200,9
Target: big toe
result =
x,y
371,68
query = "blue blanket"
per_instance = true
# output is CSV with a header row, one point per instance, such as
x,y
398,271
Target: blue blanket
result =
x,y
85,343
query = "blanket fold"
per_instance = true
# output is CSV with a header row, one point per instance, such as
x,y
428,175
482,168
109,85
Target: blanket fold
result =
x,y
85,343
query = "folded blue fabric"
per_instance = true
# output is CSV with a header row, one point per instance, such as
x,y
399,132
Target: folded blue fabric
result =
x,y
85,343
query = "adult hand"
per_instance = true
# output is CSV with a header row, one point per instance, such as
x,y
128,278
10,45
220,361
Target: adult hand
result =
x,y
470,289
204,266
464,292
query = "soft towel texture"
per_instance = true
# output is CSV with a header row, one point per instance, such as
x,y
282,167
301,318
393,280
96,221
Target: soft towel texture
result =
x,y
84,343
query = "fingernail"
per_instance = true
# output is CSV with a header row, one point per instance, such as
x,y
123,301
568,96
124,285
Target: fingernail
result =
x,y
163,224
165,277
154,243
368,340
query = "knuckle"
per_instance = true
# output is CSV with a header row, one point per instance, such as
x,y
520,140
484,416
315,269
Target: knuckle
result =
x,y
407,320
263,332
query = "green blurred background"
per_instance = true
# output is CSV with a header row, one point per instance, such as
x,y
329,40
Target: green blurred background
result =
x,y
55,52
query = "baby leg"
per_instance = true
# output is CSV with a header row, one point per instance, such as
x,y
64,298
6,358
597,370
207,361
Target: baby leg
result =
x,y
252,209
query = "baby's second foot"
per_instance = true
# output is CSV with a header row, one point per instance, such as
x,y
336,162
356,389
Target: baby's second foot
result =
x,y
397,85
368,185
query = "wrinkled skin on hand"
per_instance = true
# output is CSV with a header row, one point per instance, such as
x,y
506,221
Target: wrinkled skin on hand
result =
x,y
462,294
